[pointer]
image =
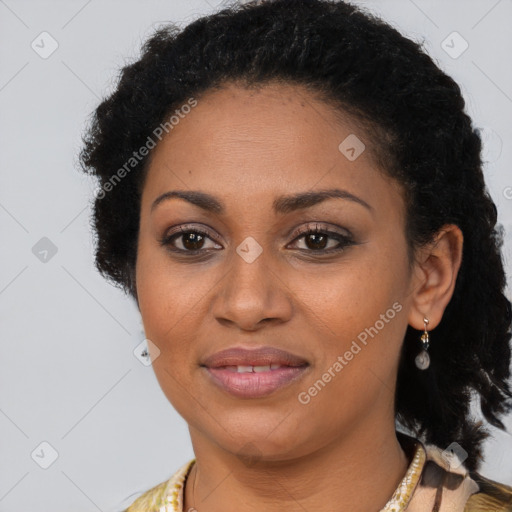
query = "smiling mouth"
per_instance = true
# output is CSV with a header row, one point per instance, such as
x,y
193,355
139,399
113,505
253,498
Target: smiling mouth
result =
x,y
251,382
244,372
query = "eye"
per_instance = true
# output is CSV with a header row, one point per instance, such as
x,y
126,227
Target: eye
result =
x,y
188,240
317,240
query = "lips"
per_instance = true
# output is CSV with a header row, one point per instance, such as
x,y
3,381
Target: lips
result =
x,y
257,359
254,373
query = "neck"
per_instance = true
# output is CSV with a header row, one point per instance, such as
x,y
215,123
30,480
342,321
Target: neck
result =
x,y
341,472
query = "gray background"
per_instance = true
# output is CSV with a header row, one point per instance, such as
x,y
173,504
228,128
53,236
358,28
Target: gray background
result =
x,y
68,374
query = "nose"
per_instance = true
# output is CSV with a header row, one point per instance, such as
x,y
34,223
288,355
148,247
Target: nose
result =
x,y
252,294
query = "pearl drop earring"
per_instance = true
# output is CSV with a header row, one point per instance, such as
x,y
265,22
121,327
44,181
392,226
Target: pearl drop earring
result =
x,y
423,359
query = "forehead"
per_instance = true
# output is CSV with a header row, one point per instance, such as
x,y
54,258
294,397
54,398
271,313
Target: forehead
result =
x,y
257,141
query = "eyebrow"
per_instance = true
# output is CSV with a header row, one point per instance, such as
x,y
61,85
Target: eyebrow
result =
x,y
282,204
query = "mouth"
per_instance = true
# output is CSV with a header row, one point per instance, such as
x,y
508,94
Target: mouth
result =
x,y
253,373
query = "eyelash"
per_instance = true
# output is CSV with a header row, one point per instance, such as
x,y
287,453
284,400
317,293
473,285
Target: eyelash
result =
x,y
344,240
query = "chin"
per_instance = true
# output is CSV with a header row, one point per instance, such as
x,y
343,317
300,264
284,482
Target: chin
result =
x,y
257,437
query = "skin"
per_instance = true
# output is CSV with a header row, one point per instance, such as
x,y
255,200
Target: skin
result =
x,y
248,147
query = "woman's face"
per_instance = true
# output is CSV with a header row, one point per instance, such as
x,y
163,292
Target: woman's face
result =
x,y
337,300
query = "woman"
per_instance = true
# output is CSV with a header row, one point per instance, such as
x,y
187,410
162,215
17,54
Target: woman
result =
x,y
293,194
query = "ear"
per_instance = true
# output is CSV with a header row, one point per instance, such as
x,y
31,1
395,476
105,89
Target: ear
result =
x,y
435,273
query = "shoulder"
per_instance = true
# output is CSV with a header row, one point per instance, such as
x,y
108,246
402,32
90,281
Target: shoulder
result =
x,y
490,496
169,492
481,494
446,485
151,500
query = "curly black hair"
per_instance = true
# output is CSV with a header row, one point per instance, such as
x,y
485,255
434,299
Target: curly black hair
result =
x,y
414,116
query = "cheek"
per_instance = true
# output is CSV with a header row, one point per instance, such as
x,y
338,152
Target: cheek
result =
x,y
166,302
357,311
350,296
170,294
